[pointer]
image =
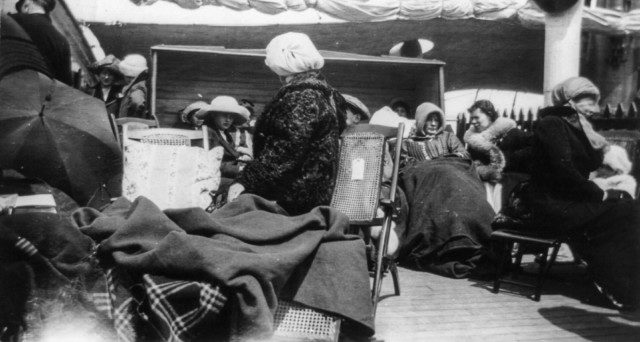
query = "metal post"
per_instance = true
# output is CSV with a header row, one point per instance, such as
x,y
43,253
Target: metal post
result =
x,y
154,80
441,88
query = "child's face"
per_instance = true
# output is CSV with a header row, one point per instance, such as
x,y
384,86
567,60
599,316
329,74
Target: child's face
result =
x,y
222,121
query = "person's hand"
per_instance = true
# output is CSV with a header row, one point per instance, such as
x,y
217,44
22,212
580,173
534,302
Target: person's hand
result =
x,y
234,191
244,150
245,158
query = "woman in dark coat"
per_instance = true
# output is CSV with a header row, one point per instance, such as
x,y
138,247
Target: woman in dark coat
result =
x,y
296,139
561,197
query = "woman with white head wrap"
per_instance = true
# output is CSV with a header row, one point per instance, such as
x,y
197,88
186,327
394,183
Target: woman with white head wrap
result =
x,y
134,94
296,138
292,53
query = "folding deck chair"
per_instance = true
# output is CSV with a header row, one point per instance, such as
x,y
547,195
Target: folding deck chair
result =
x,y
357,193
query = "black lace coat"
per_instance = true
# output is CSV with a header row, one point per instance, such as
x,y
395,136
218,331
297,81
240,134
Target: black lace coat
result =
x,y
296,145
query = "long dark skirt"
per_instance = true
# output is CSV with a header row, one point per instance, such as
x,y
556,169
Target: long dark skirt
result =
x,y
449,221
605,234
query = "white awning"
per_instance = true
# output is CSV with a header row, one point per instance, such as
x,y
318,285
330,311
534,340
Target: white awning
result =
x,y
283,12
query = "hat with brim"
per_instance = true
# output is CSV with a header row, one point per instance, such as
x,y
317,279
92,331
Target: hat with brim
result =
x,y
109,63
355,104
227,104
422,46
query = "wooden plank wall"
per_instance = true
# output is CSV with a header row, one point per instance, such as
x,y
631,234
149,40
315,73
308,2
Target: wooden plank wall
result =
x,y
187,77
478,53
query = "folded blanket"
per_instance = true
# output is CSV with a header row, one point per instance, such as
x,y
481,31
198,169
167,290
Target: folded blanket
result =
x,y
251,247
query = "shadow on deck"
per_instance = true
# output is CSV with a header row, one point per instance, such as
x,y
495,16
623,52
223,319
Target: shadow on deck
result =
x,y
435,308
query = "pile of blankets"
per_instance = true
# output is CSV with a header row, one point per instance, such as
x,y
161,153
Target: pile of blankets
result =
x,y
186,274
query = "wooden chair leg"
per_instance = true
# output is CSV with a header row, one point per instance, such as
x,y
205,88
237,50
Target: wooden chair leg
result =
x,y
518,258
502,253
394,276
541,274
382,250
544,269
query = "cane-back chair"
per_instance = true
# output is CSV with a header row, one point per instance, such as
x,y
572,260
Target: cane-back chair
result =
x,y
162,165
166,136
357,193
119,123
294,322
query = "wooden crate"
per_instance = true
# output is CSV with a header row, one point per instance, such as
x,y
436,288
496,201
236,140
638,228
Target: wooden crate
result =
x,y
184,74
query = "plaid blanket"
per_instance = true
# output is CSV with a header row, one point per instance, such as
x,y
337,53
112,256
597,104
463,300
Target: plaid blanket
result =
x,y
158,308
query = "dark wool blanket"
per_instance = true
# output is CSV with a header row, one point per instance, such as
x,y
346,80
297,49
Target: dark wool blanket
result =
x,y
449,218
251,247
47,276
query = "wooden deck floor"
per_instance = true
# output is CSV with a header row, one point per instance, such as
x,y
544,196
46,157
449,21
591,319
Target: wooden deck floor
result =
x,y
435,308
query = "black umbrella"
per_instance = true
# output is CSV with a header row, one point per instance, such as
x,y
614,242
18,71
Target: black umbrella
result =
x,y
58,134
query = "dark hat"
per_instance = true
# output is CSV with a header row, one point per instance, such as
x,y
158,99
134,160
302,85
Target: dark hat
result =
x,y
19,5
248,105
110,63
555,6
47,5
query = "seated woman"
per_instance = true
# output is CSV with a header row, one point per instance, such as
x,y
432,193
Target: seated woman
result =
x,y
449,222
496,146
220,116
561,197
430,139
296,139
110,80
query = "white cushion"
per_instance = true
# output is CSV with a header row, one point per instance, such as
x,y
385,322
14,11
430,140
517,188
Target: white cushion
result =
x,y
171,176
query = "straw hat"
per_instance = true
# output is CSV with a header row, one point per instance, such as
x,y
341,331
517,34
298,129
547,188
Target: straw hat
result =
x,y
355,103
132,65
226,104
185,114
